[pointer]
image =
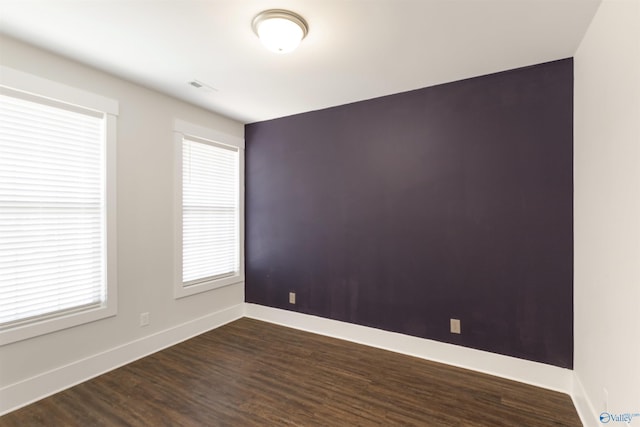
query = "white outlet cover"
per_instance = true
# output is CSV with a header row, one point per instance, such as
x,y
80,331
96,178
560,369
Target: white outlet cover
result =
x,y
455,326
292,297
144,319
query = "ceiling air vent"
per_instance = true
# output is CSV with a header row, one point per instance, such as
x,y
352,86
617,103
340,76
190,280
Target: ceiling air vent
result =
x,y
202,86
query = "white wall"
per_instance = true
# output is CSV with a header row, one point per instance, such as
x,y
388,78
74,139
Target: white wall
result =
x,y
145,232
607,211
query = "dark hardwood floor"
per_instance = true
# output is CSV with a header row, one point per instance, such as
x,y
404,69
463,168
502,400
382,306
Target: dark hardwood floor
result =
x,y
251,373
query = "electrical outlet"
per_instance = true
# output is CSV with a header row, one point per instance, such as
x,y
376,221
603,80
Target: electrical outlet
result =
x,y
292,297
455,326
144,319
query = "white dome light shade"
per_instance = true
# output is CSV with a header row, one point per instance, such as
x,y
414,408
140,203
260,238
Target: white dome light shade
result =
x,y
280,31
280,35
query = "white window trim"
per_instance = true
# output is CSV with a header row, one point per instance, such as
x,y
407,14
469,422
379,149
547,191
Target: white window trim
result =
x,y
23,82
185,129
18,80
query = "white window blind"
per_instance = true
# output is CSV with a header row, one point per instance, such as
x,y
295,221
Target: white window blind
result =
x,y
52,209
210,211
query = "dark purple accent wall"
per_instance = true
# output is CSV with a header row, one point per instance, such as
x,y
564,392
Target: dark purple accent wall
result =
x,y
401,212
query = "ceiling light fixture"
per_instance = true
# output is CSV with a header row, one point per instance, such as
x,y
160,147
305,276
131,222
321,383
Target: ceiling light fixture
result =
x,y
281,31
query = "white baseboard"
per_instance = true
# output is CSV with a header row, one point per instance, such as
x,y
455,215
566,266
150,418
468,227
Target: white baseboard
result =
x,y
534,373
583,404
20,394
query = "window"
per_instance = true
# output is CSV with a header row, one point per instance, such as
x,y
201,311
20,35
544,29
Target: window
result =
x,y
209,216
57,223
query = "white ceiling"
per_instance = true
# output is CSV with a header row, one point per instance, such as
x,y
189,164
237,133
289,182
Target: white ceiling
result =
x,y
355,50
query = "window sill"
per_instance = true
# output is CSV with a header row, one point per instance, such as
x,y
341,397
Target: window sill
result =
x,y
181,291
47,326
